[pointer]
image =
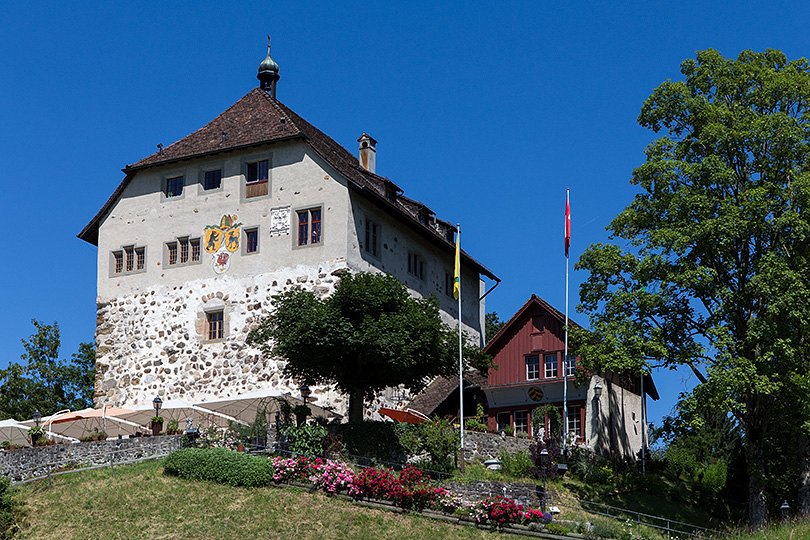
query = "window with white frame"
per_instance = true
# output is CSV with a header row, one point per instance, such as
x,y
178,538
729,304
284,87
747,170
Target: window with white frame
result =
x,y
532,367
522,422
570,365
574,423
550,361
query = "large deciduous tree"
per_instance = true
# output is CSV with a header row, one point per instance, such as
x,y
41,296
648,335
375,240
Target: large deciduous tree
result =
x,y
44,382
368,335
713,267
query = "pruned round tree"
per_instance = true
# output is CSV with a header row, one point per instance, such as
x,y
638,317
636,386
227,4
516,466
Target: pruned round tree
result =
x,y
368,335
710,263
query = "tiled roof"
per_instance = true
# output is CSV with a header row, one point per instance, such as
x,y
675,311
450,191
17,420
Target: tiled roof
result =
x,y
258,119
440,389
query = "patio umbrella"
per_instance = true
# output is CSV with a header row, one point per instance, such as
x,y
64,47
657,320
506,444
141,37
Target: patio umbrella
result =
x,y
247,406
78,424
404,415
17,433
179,410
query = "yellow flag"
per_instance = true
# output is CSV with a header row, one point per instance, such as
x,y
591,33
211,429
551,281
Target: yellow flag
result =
x,y
456,275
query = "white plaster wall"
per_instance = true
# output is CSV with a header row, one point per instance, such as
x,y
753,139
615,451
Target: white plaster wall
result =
x,y
397,239
614,422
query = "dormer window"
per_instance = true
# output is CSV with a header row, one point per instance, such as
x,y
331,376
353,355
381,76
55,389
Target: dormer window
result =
x,y
390,194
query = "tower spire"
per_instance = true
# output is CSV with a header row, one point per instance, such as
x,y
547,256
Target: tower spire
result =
x,y
268,73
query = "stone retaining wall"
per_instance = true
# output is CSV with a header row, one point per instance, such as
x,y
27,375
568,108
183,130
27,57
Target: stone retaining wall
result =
x,y
484,446
24,463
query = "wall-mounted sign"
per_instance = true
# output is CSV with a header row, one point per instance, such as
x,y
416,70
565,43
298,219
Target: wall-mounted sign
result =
x,y
535,393
280,220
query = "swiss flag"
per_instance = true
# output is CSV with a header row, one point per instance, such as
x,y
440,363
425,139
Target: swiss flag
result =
x,y
567,224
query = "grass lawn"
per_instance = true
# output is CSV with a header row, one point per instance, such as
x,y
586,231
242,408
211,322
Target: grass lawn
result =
x,y
141,502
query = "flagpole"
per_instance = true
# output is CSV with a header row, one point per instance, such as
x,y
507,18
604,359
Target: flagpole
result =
x,y
460,360
565,357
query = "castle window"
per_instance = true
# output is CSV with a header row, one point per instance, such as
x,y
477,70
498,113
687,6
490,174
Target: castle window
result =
x,y
372,240
212,179
416,266
251,240
309,226
256,178
214,325
174,186
128,260
183,251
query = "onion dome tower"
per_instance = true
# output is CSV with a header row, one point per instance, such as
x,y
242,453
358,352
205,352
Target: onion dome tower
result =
x,y
268,73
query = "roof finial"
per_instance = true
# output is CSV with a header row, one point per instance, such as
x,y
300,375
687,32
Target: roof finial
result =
x,y
268,73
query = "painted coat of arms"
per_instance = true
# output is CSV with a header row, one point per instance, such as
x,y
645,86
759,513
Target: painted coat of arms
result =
x,y
222,240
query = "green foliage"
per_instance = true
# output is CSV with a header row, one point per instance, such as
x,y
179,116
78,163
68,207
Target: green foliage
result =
x,y
44,382
10,511
219,465
492,325
556,528
441,441
479,423
714,273
378,441
554,420
370,334
515,465
307,439
173,425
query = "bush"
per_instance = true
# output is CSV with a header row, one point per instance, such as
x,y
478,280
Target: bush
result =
x,y
219,465
516,465
306,440
440,440
10,511
377,441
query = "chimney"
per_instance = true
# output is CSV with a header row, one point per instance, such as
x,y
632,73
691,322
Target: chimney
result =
x,y
368,153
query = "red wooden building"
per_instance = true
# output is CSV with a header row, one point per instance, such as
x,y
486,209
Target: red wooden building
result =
x,y
529,353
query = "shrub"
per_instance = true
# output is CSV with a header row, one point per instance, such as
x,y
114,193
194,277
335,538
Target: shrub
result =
x,y
498,510
331,476
377,441
556,528
219,465
306,440
550,466
374,483
516,465
10,511
440,440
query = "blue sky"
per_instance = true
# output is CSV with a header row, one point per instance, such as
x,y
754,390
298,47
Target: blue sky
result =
x,y
486,112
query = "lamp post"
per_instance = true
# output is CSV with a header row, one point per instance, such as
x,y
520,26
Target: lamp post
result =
x,y
157,403
305,393
37,417
785,508
544,462
597,395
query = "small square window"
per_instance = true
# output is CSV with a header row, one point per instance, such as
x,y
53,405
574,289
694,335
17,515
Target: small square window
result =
x,y
212,180
214,325
174,186
504,420
309,227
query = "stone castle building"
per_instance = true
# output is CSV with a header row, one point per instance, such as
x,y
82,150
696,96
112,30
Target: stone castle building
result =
x,y
197,239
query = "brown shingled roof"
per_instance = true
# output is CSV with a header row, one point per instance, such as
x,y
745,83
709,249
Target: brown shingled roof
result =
x,y
440,389
256,119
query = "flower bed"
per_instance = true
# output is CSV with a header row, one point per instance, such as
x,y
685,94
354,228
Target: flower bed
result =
x,y
410,488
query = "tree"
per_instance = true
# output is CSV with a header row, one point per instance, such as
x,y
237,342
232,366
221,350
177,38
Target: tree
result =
x,y
44,382
713,274
370,334
492,325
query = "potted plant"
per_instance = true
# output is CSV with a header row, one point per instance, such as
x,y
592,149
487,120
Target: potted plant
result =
x,y
301,412
173,428
157,425
37,435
